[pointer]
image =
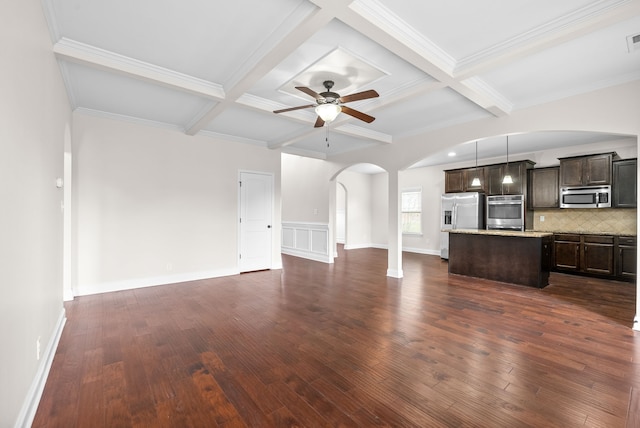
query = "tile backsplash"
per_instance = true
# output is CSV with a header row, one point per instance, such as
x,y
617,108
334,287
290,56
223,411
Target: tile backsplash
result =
x,y
602,220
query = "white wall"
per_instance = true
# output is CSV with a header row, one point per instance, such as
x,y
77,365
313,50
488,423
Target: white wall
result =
x,y
156,206
305,189
380,210
359,206
34,111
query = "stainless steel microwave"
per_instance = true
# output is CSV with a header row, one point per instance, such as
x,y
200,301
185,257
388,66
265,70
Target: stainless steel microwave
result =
x,y
585,197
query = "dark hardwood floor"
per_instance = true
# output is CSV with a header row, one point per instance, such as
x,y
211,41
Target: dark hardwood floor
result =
x,y
343,345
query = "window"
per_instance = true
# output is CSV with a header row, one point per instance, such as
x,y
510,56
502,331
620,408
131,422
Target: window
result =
x,y
412,211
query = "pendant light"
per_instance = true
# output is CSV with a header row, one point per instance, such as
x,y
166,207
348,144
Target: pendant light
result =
x,y
507,177
476,180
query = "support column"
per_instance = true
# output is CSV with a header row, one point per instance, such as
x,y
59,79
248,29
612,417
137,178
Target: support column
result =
x,y
394,268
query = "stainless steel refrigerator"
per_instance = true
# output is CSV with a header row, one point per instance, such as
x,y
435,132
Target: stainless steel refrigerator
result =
x,y
460,211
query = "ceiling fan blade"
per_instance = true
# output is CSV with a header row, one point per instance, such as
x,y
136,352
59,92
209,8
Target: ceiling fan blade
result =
x,y
359,96
294,108
309,91
357,114
319,123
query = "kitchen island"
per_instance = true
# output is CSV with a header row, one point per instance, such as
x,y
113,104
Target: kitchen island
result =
x,y
507,256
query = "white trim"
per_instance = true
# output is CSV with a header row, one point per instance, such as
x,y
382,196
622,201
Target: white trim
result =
x,y
308,240
307,255
381,16
32,400
130,119
131,284
415,250
82,53
421,251
393,273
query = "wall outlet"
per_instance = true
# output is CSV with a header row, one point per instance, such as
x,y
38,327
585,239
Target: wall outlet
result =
x,y
169,267
541,218
38,348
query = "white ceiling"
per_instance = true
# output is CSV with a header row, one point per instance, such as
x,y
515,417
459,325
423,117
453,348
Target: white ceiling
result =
x,y
221,68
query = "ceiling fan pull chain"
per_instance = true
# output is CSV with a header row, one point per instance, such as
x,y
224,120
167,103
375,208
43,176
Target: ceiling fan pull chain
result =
x,y
327,136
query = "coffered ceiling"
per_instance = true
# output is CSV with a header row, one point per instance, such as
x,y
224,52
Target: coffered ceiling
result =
x,y
220,68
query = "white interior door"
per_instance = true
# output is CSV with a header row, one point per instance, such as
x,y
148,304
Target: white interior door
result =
x,y
256,213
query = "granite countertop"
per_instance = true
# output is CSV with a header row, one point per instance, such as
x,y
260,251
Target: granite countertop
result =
x,y
525,234
590,232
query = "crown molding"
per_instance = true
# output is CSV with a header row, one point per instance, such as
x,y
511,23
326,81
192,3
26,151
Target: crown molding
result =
x,y
602,84
130,119
492,96
275,39
66,78
555,31
382,17
232,138
71,50
50,17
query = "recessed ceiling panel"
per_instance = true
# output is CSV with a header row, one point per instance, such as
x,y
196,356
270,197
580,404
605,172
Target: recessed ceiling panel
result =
x,y
201,38
437,109
464,29
594,61
337,142
385,72
254,125
117,94
347,70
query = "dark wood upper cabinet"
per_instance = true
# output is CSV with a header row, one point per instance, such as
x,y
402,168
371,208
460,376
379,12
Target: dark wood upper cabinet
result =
x,y
625,188
469,175
586,170
461,180
518,171
543,187
453,181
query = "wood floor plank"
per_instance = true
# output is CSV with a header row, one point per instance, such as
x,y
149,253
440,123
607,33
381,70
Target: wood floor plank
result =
x,y
341,344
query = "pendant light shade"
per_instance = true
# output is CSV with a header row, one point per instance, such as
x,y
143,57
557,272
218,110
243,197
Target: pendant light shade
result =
x,y
507,177
328,112
476,180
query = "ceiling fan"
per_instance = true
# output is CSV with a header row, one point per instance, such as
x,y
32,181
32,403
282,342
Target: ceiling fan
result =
x,y
329,104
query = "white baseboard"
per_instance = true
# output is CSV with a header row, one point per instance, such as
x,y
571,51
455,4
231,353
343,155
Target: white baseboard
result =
x,y
32,400
405,249
421,251
395,273
130,284
324,258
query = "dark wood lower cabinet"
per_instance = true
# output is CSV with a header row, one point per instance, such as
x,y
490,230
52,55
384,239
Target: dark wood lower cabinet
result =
x,y
597,255
567,252
626,257
600,255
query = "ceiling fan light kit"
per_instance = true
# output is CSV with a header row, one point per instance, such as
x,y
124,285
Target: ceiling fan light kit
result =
x,y
330,104
328,112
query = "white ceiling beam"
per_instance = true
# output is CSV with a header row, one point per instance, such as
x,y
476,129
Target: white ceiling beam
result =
x,y
101,59
267,60
379,24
